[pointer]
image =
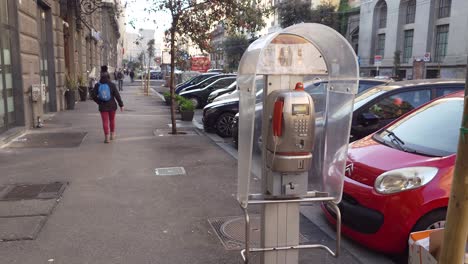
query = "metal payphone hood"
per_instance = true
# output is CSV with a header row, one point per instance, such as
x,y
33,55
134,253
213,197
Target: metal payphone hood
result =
x,y
302,52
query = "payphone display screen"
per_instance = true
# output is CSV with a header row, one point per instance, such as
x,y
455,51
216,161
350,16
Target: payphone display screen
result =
x,y
300,109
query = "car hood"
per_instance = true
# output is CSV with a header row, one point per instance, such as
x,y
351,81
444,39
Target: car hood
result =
x,y
367,159
231,95
222,102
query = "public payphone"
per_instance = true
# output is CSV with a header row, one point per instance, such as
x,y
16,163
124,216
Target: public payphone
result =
x,y
303,148
290,140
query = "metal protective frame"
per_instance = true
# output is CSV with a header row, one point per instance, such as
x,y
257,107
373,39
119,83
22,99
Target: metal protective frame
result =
x,y
312,197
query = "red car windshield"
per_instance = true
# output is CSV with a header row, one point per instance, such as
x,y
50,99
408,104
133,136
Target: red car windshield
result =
x,y
432,130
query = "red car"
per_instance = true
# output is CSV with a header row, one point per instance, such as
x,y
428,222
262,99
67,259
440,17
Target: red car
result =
x,y
398,179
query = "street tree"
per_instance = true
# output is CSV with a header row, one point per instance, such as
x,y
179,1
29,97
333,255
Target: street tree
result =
x,y
150,51
294,12
343,14
182,60
141,59
193,21
326,14
234,46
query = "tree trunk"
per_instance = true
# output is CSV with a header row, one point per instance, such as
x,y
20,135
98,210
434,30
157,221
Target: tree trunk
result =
x,y
148,77
456,228
173,118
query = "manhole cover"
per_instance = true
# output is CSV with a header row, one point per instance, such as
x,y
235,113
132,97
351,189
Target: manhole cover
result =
x,y
231,231
49,140
35,191
172,171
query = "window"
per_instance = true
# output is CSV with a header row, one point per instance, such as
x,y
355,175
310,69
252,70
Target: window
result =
x,y
408,45
366,85
396,105
7,106
421,131
444,8
441,42
447,90
380,49
222,83
383,15
410,11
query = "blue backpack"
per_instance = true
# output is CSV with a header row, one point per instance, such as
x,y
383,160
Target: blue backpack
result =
x,y
104,93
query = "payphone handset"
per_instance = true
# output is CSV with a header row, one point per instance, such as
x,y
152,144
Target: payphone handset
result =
x,y
291,130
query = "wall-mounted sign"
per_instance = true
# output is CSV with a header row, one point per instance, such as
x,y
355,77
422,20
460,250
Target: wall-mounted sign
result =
x,y
427,57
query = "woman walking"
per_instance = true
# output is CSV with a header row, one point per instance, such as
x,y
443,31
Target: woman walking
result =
x,y
105,94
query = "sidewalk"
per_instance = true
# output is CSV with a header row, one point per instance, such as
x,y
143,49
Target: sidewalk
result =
x,y
116,209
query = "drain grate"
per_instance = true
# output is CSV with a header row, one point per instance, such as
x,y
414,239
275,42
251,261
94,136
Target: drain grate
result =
x,y
49,140
34,191
231,231
172,171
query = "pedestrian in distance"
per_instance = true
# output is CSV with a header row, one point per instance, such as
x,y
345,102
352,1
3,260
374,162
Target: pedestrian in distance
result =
x,y
120,78
132,75
105,94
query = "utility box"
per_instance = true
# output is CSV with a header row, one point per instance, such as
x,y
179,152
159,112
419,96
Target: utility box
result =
x,y
37,98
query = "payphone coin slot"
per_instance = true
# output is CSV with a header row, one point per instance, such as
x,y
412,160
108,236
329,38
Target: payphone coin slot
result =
x,y
301,165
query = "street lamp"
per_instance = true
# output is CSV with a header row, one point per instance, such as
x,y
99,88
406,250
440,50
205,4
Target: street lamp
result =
x,y
88,7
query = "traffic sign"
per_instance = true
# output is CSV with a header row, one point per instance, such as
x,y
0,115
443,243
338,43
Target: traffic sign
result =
x,y
378,60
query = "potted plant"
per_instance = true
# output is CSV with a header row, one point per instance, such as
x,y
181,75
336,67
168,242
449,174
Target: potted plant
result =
x,y
178,100
83,90
187,110
71,86
167,98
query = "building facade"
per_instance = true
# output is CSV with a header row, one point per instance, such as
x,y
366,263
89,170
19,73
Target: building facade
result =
x,y
218,36
137,43
42,42
427,36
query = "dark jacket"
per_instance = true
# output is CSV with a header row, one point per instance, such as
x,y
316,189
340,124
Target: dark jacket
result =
x,y
110,105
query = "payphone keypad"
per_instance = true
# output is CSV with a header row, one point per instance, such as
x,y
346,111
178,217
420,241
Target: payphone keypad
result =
x,y
301,127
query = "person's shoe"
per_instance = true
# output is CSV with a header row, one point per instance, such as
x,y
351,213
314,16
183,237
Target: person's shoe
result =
x,y
112,136
106,140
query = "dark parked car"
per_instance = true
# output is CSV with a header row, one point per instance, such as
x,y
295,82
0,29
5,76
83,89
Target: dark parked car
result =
x,y
316,89
222,91
206,82
218,116
200,96
195,80
156,75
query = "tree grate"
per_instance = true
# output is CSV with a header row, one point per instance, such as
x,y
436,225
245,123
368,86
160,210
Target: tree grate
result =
x,y
34,191
49,140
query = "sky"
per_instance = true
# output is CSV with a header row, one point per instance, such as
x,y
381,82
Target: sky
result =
x,y
135,12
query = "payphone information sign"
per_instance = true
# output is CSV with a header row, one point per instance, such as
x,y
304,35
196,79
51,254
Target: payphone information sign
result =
x,y
287,54
300,52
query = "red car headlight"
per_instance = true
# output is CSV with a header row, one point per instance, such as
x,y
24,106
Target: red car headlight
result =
x,y
404,179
